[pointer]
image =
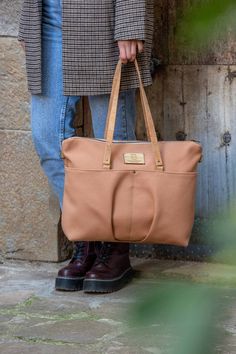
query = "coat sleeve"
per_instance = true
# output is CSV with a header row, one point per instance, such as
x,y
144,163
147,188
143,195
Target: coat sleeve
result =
x,y
22,21
20,36
30,19
130,19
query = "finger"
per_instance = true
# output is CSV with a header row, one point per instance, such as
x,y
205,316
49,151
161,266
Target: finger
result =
x,y
133,50
123,57
128,50
140,46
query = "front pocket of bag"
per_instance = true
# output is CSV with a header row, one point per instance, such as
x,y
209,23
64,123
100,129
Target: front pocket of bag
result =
x,y
87,205
128,206
174,208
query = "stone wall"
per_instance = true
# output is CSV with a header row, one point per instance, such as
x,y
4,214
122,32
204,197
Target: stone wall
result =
x,y
29,213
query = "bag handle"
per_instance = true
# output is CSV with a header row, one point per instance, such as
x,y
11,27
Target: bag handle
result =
x,y
117,75
111,118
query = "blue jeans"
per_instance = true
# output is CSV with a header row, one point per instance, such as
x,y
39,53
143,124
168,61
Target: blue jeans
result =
x,y
52,113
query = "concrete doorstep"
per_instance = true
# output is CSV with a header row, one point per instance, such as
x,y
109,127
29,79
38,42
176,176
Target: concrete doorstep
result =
x,y
37,319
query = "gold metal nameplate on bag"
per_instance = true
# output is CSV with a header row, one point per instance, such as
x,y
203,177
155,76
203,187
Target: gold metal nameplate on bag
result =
x,y
135,158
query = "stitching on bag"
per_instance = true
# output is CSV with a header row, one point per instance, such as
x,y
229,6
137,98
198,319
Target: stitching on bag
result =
x,y
131,205
187,174
124,116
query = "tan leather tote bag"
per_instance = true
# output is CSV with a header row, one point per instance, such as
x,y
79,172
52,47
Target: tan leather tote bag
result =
x,y
129,191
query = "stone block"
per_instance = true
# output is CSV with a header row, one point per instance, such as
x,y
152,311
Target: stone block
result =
x,y
9,17
27,229
14,107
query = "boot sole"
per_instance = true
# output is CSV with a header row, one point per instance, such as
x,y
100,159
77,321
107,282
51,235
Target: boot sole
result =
x,y
69,284
107,286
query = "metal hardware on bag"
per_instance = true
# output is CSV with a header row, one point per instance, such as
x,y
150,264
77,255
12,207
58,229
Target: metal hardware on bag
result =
x,y
135,158
160,167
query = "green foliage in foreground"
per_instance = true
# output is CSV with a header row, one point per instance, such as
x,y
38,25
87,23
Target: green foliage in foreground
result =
x,y
184,313
187,313
206,20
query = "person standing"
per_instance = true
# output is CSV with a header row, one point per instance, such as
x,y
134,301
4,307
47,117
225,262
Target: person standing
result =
x,y
72,48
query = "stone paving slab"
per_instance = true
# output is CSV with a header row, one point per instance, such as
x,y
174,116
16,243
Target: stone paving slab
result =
x,y
34,318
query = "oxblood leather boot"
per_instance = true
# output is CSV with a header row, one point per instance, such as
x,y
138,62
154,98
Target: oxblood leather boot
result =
x,y
71,277
111,270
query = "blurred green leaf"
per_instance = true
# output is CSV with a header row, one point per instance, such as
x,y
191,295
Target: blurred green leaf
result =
x,y
185,311
223,236
206,20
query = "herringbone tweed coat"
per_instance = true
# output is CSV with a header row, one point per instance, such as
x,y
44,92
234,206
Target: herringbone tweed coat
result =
x,y
90,31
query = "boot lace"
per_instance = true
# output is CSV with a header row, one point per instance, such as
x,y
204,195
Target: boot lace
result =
x,y
105,253
79,250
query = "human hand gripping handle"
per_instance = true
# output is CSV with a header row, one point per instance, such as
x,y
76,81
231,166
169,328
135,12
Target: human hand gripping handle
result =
x,y
129,49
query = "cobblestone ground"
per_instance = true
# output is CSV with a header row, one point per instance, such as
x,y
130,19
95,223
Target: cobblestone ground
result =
x,y
37,319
